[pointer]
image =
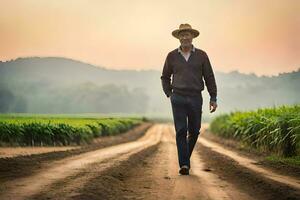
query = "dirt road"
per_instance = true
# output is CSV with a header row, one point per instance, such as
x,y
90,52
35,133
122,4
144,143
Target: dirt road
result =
x,y
147,168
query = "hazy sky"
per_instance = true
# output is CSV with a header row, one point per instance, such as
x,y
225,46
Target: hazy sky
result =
x,y
260,36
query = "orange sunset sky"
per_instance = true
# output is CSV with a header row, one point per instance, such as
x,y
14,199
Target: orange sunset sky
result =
x,y
251,36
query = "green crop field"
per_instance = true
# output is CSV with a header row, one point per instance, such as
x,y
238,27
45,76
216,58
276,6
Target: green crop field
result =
x,y
275,130
52,130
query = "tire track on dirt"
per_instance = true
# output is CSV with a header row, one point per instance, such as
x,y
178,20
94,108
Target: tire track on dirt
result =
x,y
97,181
250,164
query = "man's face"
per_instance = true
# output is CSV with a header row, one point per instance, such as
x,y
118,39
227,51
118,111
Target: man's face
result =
x,y
185,38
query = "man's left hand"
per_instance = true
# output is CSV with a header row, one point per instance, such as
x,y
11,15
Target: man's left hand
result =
x,y
212,106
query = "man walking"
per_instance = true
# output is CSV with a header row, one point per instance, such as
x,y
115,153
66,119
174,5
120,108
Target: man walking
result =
x,y
188,66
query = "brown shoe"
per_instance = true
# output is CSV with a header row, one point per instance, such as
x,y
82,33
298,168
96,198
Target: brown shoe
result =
x,y
184,170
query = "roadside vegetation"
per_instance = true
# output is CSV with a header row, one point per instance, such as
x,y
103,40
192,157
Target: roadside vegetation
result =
x,y
274,130
47,130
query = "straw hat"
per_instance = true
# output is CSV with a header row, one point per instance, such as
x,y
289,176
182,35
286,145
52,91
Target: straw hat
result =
x,y
185,27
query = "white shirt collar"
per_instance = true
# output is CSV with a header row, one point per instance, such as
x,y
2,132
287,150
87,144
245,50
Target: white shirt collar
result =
x,y
180,51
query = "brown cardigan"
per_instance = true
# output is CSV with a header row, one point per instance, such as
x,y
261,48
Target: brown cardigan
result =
x,y
187,75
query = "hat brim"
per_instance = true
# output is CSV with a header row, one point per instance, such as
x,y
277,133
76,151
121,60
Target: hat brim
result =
x,y
194,32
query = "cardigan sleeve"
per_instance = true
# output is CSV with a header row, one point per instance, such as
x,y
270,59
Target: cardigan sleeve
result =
x,y
209,79
166,77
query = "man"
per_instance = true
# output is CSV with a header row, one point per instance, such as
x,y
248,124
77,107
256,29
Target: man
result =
x,y
188,66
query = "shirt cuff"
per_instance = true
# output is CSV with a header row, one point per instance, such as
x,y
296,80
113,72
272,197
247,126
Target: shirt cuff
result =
x,y
213,99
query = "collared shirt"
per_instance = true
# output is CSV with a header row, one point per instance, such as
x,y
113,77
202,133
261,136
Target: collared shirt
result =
x,y
186,55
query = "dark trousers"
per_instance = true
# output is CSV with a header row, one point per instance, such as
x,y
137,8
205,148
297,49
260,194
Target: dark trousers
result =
x,y
187,113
